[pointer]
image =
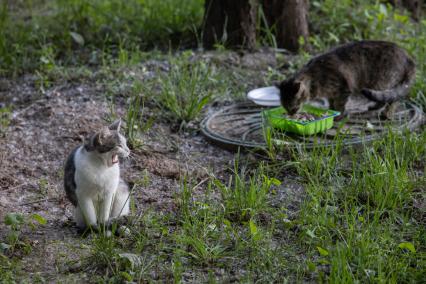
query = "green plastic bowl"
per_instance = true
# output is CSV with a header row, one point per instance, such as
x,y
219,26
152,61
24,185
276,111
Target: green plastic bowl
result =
x,y
276,119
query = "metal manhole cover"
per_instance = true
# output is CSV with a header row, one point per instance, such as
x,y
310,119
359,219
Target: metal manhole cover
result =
x,y
241,125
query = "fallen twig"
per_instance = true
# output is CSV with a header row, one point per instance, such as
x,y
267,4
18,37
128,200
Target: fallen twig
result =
x,y
200,183
38,201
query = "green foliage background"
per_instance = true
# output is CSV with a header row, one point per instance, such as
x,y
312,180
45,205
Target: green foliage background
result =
x,y
37,34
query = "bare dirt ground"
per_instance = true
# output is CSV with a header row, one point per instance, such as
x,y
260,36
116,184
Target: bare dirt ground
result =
x,y
45,127
43,133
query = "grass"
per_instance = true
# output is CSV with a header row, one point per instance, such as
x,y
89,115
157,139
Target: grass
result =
x,y
10,269
358,222
198,238
77,31
359,218
15,244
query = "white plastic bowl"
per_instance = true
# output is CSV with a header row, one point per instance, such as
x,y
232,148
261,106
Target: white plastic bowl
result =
x,y
267,96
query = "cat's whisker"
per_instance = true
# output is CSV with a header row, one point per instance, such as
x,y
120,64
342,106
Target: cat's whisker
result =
x,y
131,156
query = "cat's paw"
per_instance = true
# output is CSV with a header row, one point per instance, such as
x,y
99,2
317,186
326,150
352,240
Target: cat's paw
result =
x,y
122,231
118,226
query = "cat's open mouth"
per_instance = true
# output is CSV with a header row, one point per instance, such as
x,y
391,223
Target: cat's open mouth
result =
x,y
114,159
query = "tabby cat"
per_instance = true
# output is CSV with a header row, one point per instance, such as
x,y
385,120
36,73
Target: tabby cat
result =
x,y
379,70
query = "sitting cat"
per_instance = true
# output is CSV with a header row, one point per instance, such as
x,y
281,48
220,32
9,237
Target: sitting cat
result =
x,y
379,70
92,178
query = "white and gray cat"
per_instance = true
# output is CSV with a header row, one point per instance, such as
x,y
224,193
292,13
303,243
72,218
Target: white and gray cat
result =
x,y
92,178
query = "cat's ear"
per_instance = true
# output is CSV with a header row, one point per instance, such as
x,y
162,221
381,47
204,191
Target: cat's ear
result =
x,y
102,135
97,139
115,125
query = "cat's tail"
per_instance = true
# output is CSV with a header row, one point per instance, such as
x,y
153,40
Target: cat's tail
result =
x,y
387,96
397,93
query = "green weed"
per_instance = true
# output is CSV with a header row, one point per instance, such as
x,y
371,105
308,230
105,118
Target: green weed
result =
x,y
9,269
244,197
319,164
267,32
113,261
16,222
15,245
199,236
5,116
135,124
184,89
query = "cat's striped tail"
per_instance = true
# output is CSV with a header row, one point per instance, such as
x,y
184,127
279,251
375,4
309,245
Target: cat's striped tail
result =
x,y
387,96
395,94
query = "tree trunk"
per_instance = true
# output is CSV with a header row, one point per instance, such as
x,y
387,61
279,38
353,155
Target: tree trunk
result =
x,y
290,18
230,22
